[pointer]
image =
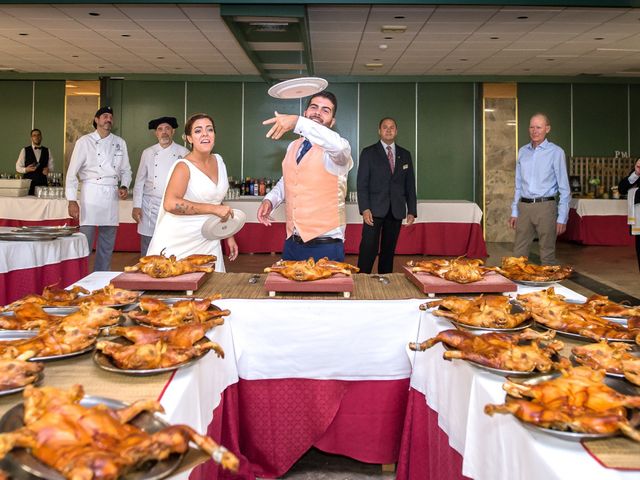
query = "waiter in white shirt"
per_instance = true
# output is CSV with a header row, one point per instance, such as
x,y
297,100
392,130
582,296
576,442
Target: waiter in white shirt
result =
x,y
100,163
35,161
151,179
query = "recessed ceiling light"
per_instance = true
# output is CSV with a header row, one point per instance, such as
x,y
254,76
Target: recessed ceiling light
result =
x,y
178,68
94,14
373,65
393,28
377,59
449,69
495,38
388,38
489,110
75,56
463,59
383,46
399,17
23,34
599,38
159,58
550,59
100,67
125,35
522,17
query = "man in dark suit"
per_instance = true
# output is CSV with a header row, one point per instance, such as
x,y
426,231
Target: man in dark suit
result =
x,y
386,191
35,162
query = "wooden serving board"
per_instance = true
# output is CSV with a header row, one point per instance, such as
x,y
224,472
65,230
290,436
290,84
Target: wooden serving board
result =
x,y
340,283
189,282
491,283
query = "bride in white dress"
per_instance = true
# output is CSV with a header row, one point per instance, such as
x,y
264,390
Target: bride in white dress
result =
x,y
196,187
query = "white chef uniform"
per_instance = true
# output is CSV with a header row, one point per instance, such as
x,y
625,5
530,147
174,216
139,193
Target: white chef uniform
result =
x,y
101,165
151,180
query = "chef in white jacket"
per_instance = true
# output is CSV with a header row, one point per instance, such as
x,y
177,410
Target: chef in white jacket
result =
x,y
100,163
151,179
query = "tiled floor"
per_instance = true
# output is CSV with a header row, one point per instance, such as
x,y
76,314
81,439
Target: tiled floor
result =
x,y
612,271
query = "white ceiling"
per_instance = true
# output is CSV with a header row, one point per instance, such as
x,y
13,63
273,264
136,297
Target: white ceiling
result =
x,y
439,40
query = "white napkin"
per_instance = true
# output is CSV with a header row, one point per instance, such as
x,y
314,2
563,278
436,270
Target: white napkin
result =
x,y
633,211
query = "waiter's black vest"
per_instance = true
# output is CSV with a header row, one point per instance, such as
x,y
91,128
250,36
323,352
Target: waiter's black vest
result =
x,y
37,178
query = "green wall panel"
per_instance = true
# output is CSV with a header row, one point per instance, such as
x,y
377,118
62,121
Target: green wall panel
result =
x,y
397,100
599,119
16,99
634,103
552,99
347,121
223,101
143,101
263,156
49,116
445,141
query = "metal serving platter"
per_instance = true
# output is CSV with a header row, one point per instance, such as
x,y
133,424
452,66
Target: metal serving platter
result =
x,y
634,352
577,336
9,334
6,335
49,230
22,465
28,237
617,384
10,391
168,301
104,361
515,308
532,283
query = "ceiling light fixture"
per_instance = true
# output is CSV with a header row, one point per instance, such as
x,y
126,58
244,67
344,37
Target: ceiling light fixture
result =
x,y
618,49
374,65
94,14
522,17
495,38
125,35
599,38
399,17
23,34
393,28
383,46
6,69
489,110
74,56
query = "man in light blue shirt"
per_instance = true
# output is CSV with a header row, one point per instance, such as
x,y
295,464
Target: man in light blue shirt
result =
x,y
541,174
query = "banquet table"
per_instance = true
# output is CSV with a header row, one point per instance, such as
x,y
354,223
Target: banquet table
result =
x,y
598,222
336,374
442,227
28,267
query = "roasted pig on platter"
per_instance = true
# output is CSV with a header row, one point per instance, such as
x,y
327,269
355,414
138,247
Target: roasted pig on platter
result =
x,y
153,349
519,269
502,351
17,372
552,311
459,270
28,316
159,266
613,357
604,307
73,333
153,311
485,311
303,271
51,297
578,400
98,442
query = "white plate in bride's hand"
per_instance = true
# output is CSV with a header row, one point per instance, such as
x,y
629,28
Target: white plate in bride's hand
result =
x,y
215,229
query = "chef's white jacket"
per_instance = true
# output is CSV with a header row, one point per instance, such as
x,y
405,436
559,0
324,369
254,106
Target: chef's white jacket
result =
x,y
100,165
151,180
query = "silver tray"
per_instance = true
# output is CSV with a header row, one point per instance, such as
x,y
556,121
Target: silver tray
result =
x,y
168,301
10,391
63,355
8,334
20,464
633,352
577,336
27,237
463,326
104,361
531,283
617,384
57,231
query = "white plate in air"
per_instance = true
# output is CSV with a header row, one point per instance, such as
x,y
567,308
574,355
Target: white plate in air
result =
x,y
298,87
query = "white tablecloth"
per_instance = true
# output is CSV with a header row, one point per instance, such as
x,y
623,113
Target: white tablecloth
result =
x,y
31,208
21,255
498,447
593,206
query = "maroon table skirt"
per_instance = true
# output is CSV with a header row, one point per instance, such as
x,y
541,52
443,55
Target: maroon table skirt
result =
x,y
611,230
270,424
18,283
425,453
449,239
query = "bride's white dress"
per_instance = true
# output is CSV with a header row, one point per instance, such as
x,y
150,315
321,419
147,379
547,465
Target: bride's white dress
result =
x,y
180,235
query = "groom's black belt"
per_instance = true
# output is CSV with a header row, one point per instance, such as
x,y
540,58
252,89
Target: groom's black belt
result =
x,y
315,241
536,200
